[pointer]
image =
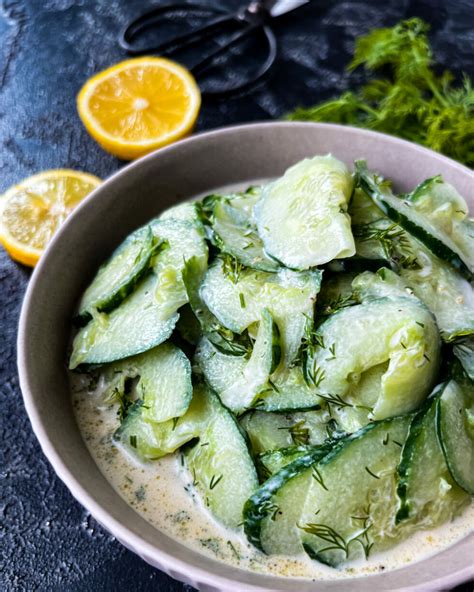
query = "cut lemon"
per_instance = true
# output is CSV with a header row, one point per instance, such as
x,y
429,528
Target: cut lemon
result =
x,y
139,105
32,211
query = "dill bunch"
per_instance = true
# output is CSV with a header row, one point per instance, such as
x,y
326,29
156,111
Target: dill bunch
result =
x,y
411,100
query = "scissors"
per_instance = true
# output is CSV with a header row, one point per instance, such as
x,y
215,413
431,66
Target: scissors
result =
x,y
249,20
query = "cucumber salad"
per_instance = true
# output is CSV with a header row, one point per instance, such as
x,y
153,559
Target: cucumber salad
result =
x,y
304,350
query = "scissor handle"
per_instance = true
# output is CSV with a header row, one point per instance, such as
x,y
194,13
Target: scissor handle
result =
x,y
268,62
145,21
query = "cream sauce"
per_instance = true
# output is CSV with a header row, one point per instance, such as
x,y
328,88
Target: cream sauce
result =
x,y
162,493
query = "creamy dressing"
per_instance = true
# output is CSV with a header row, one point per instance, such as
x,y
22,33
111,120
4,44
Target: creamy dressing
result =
x,y
162,493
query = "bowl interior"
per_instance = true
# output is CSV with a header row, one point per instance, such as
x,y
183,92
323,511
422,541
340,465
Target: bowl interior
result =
x,y
127,200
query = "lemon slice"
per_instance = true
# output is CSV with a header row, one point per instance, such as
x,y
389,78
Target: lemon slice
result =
x,y
139,105
32,211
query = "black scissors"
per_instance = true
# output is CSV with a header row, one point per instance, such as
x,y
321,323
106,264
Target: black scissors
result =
x,y
252,19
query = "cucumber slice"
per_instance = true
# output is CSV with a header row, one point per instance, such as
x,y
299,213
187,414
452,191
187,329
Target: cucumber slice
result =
x,y
464,351
237,302
350,503
286,391
138,324
425,488
147,440
185,242
235,233
444,291
382,284
186,212
368,225
117,278
400,331
455,424
442,205
272,431
277,504
223,472
238,381
164,384
418,225
302,217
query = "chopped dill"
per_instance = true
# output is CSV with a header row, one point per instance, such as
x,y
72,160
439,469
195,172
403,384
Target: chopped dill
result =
x,y
215,481
371,473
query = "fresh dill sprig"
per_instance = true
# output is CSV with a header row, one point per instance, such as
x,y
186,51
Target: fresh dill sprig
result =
x,y
340,403
341,301
411,101
124,401
231,267
335,541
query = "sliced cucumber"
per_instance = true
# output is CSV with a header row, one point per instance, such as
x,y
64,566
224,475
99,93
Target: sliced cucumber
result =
x,y
185,242
186,212
148,440
403,213
117,278
237,380
350,505
277,504
223,472
368,224
138,324
441,204
302,217
237,302
444,291
272,431
286,390
384,283
164,384
463,349
235,233
455,424
428,496
400,331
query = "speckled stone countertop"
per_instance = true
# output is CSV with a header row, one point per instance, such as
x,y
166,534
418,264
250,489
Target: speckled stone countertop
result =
x,y
47,49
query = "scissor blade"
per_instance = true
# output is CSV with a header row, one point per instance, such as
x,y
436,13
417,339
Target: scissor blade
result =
x,y
283,6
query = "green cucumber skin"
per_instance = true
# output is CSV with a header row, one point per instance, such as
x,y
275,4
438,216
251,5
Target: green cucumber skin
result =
x,y
467,486
113,300
434,244
408,450
256,507
276,347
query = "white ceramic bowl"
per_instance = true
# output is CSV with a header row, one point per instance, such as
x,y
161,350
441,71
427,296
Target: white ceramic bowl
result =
x,y
128,199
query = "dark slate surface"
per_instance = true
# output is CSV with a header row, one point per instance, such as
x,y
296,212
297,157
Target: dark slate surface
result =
x,y
47,49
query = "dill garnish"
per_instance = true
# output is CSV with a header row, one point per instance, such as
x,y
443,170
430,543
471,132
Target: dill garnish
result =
x,y
316,474
411,100
336,542
231,267
371,473
340,403
215,481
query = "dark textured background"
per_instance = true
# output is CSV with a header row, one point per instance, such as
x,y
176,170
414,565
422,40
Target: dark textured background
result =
x,y
48,48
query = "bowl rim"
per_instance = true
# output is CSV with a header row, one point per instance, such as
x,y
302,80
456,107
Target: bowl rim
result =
x,y
168,562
